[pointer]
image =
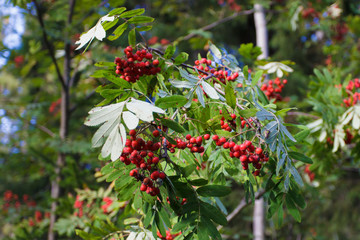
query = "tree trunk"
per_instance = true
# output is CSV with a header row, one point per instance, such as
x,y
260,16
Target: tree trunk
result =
x,y
262,42
64,124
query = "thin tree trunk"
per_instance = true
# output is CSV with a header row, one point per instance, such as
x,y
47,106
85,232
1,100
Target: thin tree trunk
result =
x,y
262,42
64,124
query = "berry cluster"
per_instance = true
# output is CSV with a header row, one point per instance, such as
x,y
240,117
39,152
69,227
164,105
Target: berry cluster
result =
x,y
12,203
136,65
183,201
221,75
273,89
229,125
309,173
142,154
353,96
245,152
169,236
13,200
108,201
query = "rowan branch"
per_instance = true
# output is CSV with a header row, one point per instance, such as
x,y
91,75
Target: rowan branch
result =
x,y
48,44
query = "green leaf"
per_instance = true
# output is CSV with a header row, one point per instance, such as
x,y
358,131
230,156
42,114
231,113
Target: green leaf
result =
x,y
169,52
108,168
247,113
114,175
110,93
117,80
173,125
284,110
292,209
140,19
223,133
165,217
105,64
300,157
198,182
181,58
202,231
230,96
109,24
132,13
118,31
188,170
213,213
246,72
213,191
159,224
257,77
144,28
132,37
129,221
148,217
116,11
171,101
211,229
302,135
297,198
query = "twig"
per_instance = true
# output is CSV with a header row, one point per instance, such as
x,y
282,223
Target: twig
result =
x,y
241,206
216,23
48,44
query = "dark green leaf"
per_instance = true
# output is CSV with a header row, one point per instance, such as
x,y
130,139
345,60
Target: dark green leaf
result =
x,y
144,28
198,182
213,191
114,175
213,213
173,125
292,209
211,229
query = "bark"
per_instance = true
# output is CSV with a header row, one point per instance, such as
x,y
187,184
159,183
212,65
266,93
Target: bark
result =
x,y
262,42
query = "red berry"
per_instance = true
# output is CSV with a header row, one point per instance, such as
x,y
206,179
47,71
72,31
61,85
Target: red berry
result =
x,y
207,136
155,175
215,137
162,175
233,116
155,160
156,62
143,187
258,151
156,133
188,137
132,132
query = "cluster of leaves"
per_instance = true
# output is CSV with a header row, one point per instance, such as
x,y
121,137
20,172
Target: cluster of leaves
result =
x,y
188,103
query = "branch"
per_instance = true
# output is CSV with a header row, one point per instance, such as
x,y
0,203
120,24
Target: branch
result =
x,y
241,206
48,44
216,23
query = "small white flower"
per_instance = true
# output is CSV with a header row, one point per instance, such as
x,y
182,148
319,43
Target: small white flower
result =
x,y
339,137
